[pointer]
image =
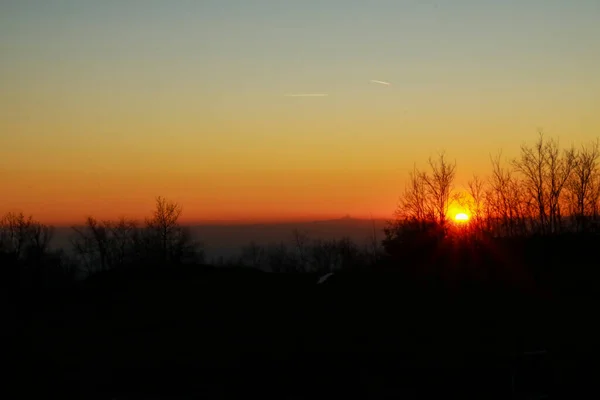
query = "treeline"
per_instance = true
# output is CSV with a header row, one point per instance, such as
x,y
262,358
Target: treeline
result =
x,y
533,221
306,254
25,255
544,192
160,241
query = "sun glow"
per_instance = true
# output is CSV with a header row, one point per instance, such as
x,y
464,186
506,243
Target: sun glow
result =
x,y
461,217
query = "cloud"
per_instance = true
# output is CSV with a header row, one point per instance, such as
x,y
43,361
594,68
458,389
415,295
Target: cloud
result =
x,y
307,95
380,82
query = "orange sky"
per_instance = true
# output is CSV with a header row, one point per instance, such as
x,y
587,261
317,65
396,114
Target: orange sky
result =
x,y
104,106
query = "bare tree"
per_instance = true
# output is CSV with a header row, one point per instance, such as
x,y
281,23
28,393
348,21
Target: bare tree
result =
x,y
102,245
440,185
545,172
14,234
253,255
279,259
506,199
423,208
349,253
582,185
100,239
560,167
532,165
522,207
122,240
476,192
372,248
91,244
415,203
40,236
301,242
324,256
23,237
595,198
163,225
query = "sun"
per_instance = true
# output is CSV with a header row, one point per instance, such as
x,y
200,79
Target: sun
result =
x,y
461,217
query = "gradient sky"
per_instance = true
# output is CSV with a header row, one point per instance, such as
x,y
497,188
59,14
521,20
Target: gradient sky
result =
x,y
106,104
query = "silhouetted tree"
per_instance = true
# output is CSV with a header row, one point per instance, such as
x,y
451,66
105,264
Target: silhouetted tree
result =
x,y
24,238
163,226
372,248
349,253
281,259
415,203
15,232
507,200
253,255
440,184
409,237
545,172
583,186
103,245
324,256
91,244
25,253
476,203
301,242
321,256
422,213
40,236
164,236
122,240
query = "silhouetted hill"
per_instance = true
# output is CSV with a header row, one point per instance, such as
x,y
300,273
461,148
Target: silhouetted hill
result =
x,y
210,331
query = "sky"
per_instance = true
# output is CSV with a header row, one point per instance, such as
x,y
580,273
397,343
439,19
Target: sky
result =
x,y
105,105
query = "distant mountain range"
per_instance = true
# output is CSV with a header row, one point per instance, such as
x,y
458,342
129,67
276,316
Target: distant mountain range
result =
x,y
227,239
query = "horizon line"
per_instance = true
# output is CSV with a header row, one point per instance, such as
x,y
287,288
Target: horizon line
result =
x,y
241,221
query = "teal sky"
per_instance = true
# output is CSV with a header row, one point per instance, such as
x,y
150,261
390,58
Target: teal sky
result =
x,y
253,49
199,85
266,46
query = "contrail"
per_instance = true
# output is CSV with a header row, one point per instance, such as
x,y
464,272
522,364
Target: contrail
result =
x,y
307,95
380,82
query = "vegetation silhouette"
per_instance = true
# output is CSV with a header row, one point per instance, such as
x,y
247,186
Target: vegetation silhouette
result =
x,y
134,309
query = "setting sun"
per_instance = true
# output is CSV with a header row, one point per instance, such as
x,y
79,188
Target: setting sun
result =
x,y
461,217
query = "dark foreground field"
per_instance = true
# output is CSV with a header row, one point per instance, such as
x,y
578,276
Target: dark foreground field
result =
x,y
207,333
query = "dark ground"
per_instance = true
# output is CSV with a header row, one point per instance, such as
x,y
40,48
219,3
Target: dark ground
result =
x,y
205,333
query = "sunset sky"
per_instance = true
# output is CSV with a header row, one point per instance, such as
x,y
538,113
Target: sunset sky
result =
x,y
106,104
